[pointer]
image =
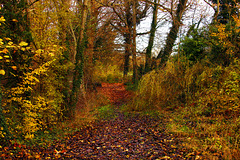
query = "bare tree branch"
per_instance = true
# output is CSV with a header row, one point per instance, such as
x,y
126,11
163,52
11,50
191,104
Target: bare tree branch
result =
x,y
143,33
167,9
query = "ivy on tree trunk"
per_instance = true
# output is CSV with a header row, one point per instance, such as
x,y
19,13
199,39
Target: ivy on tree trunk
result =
x,y
172,35
151,38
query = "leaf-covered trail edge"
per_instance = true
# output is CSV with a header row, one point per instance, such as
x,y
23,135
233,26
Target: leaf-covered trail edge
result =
x,y
126,136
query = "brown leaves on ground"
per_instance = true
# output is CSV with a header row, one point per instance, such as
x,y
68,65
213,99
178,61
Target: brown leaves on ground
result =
x,y
134,137
125,137
115,92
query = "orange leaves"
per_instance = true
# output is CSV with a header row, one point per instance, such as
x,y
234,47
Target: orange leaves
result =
x,y
37,156
116,92
14,20
14,67
5,51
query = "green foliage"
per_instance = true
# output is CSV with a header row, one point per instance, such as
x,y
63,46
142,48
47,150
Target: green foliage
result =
x,y
77,78
131,86
193,47
25,114
152,114
106,113
220,90
218,43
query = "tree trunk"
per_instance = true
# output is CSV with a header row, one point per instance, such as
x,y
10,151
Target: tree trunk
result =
x,y
83,22
134,60
127,38
91,34
151,38
79,62
127,53
172,35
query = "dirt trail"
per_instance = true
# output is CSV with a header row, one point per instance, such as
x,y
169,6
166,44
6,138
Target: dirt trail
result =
x,y
123,137
115,92
126,136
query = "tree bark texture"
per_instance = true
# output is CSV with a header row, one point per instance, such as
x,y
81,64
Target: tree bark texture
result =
x,y
151,38
172,35
134,58
127,38
79,62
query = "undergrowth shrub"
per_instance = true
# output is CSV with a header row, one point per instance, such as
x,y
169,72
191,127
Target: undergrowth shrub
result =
x,y
205,98
214,89
220,90
35,104
110,73
161,88
32,84
27,115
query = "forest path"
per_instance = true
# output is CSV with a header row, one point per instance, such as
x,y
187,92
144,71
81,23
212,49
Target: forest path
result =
x,y
125,136
115,92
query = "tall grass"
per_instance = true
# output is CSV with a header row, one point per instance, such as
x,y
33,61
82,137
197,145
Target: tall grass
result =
x,y
161,88
110,73
205,100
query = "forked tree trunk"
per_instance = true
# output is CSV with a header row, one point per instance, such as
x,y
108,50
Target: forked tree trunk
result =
x,y
79,62
172,35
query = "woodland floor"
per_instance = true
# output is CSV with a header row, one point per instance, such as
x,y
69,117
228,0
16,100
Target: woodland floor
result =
x,y
126,136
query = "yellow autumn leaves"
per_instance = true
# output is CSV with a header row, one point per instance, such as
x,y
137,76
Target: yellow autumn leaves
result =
x,y
224,36
2,72
5,52
2,19
9,44
23,44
